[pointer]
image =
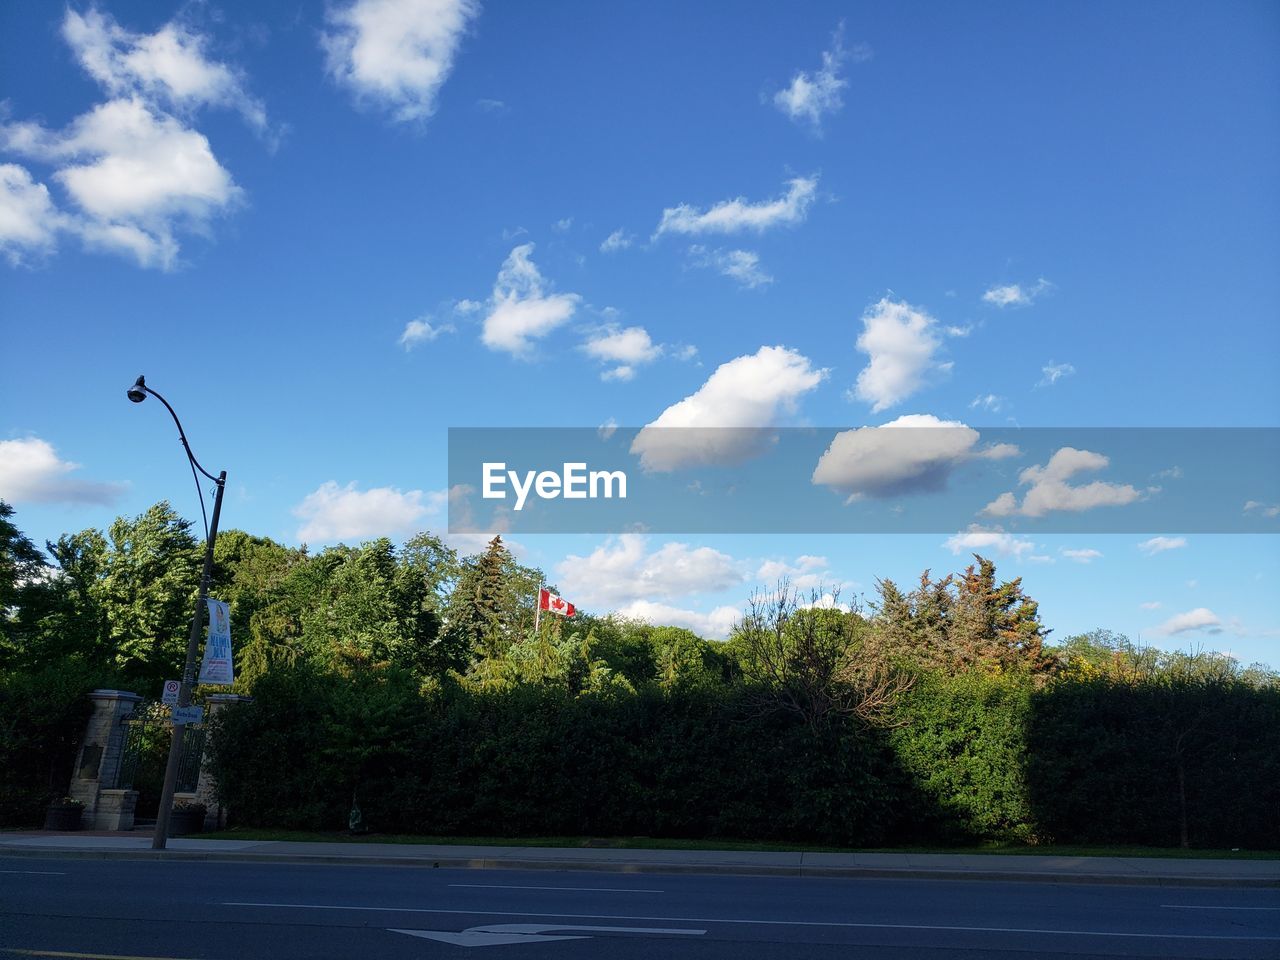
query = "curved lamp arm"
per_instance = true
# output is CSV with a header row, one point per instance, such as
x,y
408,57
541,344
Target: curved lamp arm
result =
x,y
136,393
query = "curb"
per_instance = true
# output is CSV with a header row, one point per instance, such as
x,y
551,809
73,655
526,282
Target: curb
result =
x,y
602,866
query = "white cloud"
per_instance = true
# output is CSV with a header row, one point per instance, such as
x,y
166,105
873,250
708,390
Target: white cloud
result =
x,y
630,345
618,240
1048,489
976,539
1086,555
422,330
912,454
607,429
624,373
137,173
1053,372
1161,544
743,395
1017,295
1150,605
623,570
167,67
901,341
805,573
1266,509
397,54
1201,618
520,310
714,625
331,513
810,96
563,225
29,222
989,402
739,214
740,265
32,472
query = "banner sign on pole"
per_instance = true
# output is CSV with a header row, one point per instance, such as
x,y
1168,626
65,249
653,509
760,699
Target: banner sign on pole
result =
x,y
216,666
170,695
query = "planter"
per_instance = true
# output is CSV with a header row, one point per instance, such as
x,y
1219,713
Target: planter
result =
x,y
184,820
63,816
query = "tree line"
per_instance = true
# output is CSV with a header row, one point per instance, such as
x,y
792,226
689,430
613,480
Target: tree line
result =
x,y
936,710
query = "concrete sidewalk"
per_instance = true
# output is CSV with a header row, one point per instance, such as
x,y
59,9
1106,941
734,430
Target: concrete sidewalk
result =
x,y
940,866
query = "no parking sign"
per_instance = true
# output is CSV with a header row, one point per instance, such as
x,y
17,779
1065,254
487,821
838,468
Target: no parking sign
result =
x,y
170,695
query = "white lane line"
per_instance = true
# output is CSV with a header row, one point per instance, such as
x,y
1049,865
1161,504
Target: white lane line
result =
x,y
512,886
779,923
37,873
1196,906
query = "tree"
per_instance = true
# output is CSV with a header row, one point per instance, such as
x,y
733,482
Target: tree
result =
x,y
963,621
818,660
492,604
22,567
996,626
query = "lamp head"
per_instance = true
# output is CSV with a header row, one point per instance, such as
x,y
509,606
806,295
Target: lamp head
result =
x,y
138,392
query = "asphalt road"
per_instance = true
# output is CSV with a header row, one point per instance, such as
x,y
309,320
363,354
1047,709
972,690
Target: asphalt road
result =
x,y
248,911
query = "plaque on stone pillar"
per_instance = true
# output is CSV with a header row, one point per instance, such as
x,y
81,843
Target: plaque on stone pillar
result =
x,y
90,759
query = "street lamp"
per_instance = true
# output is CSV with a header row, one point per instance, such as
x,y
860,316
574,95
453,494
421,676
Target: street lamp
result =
x,y
137,393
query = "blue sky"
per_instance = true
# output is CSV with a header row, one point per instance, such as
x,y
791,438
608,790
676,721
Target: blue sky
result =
x,y
327,234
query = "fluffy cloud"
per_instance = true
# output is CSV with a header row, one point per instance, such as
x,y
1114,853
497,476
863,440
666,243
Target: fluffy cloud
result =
x,y
618,240
422,331
976,539
32,472
28,220
740,265
1053,372
1082,556
167,67
1161,544
1017,295
136,173
520,309
396,54
331,513
912,454
805,573
714,625
1048,489
739,215
742,396
810,96
623,571
1201,618
628,348
901,341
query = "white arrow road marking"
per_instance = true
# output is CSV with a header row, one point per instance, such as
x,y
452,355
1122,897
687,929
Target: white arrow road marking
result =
x,y
777,923
495,934
477,937
512,886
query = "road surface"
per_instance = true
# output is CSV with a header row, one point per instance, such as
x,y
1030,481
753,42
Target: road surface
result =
x,y
190,910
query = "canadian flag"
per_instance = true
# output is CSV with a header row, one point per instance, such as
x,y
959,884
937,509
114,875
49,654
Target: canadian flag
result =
x,y
549,601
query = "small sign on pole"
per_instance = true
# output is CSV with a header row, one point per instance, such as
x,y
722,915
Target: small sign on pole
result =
x,y
182,715
170,695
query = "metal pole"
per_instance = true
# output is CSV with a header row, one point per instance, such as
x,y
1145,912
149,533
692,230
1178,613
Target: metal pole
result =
x,y
161,835
537,609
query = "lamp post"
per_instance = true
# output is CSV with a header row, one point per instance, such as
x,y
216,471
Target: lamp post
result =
x,y
137,393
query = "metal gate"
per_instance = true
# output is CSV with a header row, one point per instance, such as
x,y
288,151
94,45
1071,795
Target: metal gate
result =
x,y
147,732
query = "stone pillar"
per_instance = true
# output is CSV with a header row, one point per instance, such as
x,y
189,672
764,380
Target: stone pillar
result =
x,y
98,763
215,816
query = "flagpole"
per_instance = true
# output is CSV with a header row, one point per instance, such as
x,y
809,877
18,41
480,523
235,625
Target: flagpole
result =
x,y
537,609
